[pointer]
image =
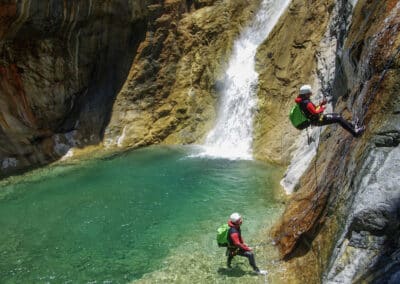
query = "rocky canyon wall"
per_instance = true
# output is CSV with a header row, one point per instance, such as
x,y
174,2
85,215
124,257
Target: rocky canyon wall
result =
x,y
123,72
61,64
171,96
287,60
344,218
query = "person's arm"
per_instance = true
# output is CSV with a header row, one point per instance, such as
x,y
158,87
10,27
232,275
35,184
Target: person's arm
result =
x,y
236,242
315,110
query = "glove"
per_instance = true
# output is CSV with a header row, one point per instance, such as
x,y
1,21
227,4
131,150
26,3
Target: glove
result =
x,y
324,101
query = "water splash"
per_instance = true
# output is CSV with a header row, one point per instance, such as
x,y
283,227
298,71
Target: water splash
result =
x,y
232,135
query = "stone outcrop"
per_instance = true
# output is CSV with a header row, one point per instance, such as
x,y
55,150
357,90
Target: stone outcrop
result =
x,y
347,208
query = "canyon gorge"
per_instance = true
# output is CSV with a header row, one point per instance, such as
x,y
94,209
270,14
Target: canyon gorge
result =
x,y
85,77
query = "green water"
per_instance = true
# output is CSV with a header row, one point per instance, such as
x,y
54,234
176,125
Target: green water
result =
x,y
146,214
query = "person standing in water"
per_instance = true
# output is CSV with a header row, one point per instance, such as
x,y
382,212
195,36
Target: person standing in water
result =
x,y
236,245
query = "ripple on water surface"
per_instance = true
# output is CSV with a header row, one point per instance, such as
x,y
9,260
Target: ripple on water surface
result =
x,y
149,214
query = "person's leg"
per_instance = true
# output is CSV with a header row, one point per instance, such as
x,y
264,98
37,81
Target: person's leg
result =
x,y
251,259
230,256
337,118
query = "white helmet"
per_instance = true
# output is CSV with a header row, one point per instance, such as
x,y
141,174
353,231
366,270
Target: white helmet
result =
x,y
235,217
305,89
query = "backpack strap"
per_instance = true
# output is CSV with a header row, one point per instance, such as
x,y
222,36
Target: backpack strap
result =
x,y
303,107
232,230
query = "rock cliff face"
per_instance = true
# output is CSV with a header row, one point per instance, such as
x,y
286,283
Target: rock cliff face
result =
x,y
170,94
61,64
287,59
124,73
347,207
67,68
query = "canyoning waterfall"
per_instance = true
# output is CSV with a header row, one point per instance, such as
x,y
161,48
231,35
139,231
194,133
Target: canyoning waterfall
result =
x,y
232,135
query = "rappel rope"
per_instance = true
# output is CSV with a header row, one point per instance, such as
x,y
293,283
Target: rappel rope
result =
x,y
309,141
280,110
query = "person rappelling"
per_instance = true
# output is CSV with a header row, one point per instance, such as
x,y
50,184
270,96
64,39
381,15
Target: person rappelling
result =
x,y
306,113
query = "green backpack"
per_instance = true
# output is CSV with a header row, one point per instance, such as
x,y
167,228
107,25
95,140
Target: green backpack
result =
x,y
222,235
297,117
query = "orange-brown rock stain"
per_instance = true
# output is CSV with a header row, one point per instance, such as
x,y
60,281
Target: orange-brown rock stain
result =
x,y
390,5
13,88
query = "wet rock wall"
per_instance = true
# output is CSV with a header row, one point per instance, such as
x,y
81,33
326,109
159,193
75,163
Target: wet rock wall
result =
x,y
346,211
287,60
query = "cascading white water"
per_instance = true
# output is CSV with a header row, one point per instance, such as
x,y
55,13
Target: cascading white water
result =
x,y
232,135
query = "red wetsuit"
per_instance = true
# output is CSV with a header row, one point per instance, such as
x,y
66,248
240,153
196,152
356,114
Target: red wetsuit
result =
x,y
309,109
235,237
238,247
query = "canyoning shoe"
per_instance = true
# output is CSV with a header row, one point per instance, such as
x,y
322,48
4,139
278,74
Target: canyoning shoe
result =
x,y
359,131
261,272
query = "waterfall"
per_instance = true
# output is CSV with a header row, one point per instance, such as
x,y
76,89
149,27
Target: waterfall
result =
x,y
232,134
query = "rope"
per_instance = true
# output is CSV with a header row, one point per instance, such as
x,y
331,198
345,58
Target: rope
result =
x,y
315,160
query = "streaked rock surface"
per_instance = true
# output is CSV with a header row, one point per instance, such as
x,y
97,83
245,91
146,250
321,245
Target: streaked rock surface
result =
x,y
122,74
346,209
61,64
